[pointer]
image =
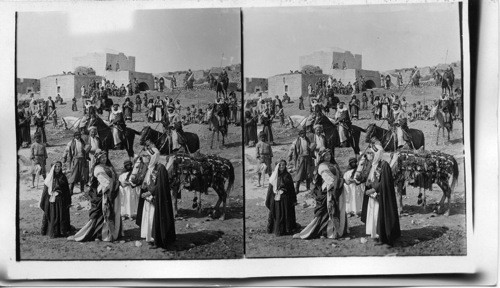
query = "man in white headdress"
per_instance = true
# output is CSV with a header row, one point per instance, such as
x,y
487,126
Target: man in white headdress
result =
x,y
118,125
318,142
343,119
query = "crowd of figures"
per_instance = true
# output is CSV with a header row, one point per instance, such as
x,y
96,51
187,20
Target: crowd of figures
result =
x,y
338,195
113,196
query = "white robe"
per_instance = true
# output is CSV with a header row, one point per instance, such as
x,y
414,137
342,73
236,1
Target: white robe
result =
x,y
148,211
129,197
354,194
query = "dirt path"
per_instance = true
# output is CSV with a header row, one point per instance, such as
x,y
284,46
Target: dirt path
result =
x,y
423,232
198,236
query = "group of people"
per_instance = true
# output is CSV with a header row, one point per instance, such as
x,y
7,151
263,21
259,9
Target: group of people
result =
x,y
338,195
113,197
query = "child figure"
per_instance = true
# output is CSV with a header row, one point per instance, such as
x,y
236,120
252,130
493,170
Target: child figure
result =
x,y
281,114
73,105
419,110
426,113
200,116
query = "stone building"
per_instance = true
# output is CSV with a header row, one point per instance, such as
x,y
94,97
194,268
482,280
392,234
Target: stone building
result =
x,y
331,61
100,62
294,84
253,85
65,85
27,85
145,80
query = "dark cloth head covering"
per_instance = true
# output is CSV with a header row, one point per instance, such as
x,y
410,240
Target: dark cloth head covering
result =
x,y
77,133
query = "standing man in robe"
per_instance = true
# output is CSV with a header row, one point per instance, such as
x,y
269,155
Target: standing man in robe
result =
x,y
264,154
129,195
93,145
39,120
38,158
354,107
301,155
77,156
158,104
318,143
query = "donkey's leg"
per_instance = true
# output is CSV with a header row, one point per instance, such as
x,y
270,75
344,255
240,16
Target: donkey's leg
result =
x,y
444,188
198,193
437,136
424,203
212,141
174,194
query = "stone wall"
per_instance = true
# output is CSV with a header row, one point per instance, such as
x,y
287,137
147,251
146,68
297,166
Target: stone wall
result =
x,y
123,77
253,85
296,84
325,59
27,85
125,63
67,86
98,62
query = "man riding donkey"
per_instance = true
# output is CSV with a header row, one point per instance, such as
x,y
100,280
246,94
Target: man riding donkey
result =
x,y
118,126
399,123
446,105
172,125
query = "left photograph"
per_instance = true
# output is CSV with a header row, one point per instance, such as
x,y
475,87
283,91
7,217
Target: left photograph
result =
x,y
129,135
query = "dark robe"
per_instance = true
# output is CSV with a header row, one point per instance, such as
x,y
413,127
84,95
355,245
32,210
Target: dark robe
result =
x,y
56,217
24,130
251,130
266,129
40,128
127,110
281,220
304,164
163,230
95,212
388,227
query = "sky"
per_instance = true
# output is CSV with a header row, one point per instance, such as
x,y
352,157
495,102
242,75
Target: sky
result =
x,y
387,36
161,40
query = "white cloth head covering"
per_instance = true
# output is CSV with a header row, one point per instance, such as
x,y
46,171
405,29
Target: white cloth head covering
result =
x,y
378,150
48,182
273,180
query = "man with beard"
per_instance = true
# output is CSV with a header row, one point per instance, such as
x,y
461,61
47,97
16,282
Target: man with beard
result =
x,y
75,150
301,155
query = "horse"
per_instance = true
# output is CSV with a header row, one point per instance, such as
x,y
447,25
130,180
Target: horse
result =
x,y
447,83
106,135
161,140
416,79
222,83
332,133
418,169
198,174
218,125
388,139
437,77
438,116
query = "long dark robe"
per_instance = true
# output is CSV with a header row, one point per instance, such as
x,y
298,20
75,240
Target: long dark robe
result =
x,y
163,230
127,111
56,217
140,207
266,129
388,227
281,220
250,130
24,129
40,128
95,212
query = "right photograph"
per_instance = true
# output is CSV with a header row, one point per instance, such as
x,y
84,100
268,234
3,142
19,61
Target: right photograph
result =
x,y
354,131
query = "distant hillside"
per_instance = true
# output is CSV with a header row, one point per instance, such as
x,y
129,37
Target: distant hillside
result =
x,y
425,72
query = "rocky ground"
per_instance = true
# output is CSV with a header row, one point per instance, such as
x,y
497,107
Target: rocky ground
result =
x,y
198,236
423,231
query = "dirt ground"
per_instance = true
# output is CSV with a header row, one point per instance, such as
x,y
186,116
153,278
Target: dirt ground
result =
x,y
423,231
198,236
